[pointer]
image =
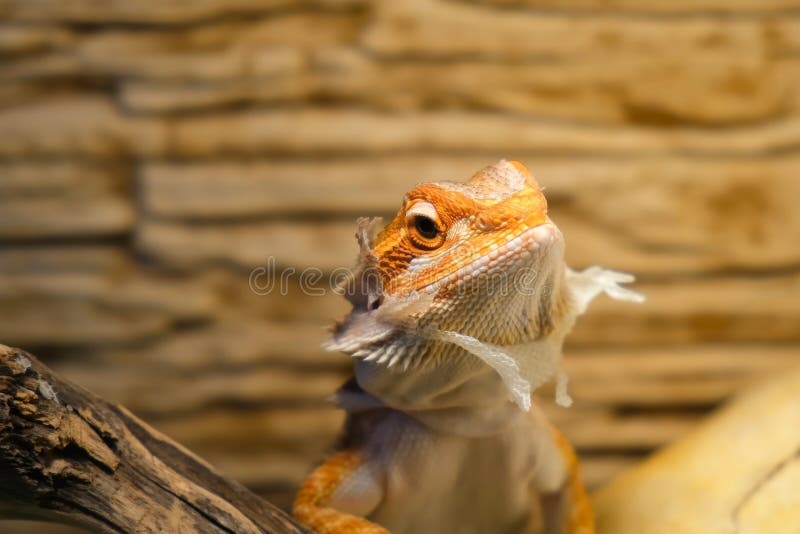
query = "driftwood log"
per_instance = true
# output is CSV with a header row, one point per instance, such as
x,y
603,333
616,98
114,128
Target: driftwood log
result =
x,y
70,457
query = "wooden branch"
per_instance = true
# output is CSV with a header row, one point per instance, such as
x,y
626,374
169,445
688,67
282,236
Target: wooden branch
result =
x,y
68,456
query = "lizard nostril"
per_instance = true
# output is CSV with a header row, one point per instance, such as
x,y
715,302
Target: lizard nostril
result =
x,y
374,302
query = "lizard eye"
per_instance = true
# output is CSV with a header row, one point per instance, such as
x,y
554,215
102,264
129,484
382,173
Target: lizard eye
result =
x,y
424,228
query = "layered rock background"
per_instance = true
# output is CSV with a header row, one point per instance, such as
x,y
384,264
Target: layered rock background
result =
x,y
153,154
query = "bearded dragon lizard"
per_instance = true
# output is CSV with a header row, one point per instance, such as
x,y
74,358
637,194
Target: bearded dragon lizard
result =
x,y
460,308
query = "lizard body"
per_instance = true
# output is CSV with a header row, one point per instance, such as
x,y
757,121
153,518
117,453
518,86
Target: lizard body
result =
x,y
460,308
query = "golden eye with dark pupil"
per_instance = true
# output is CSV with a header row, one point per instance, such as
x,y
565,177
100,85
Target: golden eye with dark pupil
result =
x,y
425,230
425,227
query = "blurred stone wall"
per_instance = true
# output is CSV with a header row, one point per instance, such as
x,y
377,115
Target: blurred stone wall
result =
x,y
154,153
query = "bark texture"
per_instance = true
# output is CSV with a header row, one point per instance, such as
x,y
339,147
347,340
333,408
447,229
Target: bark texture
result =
x,y
69,456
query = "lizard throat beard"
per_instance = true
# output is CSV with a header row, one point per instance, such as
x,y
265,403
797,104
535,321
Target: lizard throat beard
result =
x,y
475,373
447,346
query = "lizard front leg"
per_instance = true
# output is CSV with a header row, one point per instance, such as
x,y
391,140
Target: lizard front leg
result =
x,y
342,482
567,510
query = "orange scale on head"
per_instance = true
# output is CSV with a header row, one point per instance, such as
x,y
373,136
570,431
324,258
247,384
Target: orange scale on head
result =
x,y
495,205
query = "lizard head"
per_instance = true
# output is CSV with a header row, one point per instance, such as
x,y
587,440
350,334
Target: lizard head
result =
x,y
467,285
478,251
463,270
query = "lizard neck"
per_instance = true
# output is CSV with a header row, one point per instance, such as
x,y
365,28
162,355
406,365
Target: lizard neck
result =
x,y
453,392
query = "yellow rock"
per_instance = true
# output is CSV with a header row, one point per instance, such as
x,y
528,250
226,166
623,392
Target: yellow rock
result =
x,y
738,473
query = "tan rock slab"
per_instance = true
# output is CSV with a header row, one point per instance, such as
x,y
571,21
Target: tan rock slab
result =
x,y
74,126
240,343
242,48
691,310
357,130
234,431
689,375
90,295
28,39
228,189
679,7
93,126
144,393
317,245
149,11
447,29
68,199
67,258
714,88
